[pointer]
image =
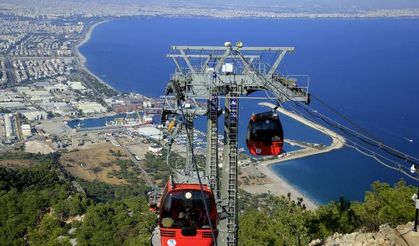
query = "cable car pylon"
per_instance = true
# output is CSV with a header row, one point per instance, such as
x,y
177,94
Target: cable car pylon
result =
x,y
204,75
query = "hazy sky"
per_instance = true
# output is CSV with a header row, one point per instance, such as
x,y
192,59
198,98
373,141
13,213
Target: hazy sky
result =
x,y
284,5
326,4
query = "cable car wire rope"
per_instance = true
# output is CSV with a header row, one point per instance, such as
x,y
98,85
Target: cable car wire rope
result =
x,y
199,180
372,154
198,177
362,137
369,140
341,115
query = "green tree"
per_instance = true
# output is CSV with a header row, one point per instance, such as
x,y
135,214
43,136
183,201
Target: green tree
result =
x,y
279,222
386,204
48,232
117,223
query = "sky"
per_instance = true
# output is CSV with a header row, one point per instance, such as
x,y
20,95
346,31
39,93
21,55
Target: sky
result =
x,y
276,5
324,5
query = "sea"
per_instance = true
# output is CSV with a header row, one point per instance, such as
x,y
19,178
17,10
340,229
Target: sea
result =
x,y
367,70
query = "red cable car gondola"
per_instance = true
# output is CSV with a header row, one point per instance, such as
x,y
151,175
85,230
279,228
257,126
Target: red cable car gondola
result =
x,y
183,219
264,134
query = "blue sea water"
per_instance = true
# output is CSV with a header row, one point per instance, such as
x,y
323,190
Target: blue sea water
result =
x,y
367,69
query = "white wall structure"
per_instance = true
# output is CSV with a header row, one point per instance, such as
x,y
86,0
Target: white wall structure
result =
x,y
91,107
26,130
8,126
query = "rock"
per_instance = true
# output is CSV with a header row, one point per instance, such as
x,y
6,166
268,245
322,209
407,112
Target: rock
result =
x,y
316,242
385,236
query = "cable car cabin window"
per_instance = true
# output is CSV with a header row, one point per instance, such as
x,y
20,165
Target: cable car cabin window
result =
x,y
185,208
266,131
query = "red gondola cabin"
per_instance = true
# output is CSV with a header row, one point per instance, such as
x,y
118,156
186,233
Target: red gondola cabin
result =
x,y
264,134
183,220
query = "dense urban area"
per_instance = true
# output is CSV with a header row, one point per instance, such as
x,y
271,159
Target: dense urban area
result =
x,y
66,182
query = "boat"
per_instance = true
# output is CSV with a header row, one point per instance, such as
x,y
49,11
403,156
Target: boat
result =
x,y
131,119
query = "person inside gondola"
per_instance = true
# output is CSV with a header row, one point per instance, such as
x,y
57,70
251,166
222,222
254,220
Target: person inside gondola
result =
x,y
186,209
188,218
181,220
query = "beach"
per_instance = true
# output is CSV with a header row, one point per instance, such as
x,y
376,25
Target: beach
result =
x,y
277,185
82,59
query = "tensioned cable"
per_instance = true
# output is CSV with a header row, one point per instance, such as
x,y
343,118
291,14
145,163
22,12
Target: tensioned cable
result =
x,y
372,154
376,156
366,139
199,180
344,117
362,137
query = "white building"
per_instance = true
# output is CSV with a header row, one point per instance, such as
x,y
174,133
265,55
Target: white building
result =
x,y
8,126
77,86
22,89
60,108
90,107
10,96
155,148
150,132
33,114
12,105
112,101
57,88
26,130
39,96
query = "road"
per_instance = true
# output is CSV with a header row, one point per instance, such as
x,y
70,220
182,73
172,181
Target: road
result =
x,y
147,178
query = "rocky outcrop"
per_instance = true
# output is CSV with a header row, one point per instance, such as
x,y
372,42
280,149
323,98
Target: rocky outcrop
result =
x,y
403,235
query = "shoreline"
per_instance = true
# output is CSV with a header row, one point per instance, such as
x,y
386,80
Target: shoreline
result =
x,y
279,185
82,59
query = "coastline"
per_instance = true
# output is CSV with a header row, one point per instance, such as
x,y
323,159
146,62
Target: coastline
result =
x,y
82,59
278,185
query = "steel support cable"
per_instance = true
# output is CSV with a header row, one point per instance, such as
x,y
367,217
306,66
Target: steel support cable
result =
x,y
199,181
338,126
342,127
372,154
174,170
344,131
344,117
361,136
377,157
169,147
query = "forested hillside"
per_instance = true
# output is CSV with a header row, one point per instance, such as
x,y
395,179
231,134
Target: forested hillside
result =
x,y
42,205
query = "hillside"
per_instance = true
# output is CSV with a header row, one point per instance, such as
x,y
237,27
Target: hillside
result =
x,y
402,235
42,204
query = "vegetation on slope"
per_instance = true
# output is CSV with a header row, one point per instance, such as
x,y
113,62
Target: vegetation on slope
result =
x,y
281,221
40,205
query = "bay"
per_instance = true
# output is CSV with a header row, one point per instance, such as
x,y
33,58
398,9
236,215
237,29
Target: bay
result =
x,y
367,69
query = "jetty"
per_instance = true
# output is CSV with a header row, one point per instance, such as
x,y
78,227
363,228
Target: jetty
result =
x,y
278,186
